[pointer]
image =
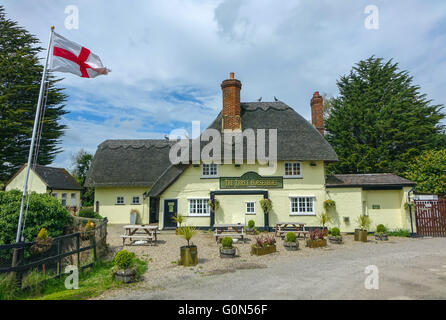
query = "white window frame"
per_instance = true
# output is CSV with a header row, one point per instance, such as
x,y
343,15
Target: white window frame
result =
x,y
254,207
133,200
302,213
123,200
205,204
71,200
209,175
292,175
64,197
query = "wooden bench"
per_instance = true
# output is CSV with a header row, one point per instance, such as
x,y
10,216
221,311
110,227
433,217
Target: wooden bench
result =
x,y
145,237
298,233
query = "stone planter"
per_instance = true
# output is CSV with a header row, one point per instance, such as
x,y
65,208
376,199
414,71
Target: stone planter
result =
x,y
316,243
291,246
227,252
263,250
189,256
335,240
361,235
250,230
126,275
357,231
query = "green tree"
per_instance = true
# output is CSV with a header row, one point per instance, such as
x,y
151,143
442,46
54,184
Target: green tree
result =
x,y
380,120
20,75
81,164
428,170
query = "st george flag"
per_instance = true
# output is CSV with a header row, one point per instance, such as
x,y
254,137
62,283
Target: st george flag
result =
x,y
68,56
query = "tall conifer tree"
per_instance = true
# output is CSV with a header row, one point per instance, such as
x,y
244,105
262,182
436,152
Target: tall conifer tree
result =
x,y
20,75
380,121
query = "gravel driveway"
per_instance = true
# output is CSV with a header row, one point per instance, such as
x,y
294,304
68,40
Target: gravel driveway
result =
x,y
408,269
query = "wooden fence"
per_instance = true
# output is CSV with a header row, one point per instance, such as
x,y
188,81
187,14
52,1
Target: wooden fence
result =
x,y
430,217
80,249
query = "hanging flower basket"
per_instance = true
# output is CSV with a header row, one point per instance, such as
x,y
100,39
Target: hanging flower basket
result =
x,y
214,204
266,205
329,204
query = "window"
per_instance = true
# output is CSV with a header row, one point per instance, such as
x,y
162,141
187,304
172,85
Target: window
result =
x,y
54,194
199,207
73,200
302,205
119,200
64,199
209,170
135,200
250,207
292,169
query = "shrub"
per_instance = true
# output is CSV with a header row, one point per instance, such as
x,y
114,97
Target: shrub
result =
x,y
335,232
251,224
266,205
399,233
290,237
187,233
124,259
226,242
89,213
44,211
364,222
380,228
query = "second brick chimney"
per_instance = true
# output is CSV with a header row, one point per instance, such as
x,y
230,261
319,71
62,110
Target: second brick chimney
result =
x,y
317,112
231,103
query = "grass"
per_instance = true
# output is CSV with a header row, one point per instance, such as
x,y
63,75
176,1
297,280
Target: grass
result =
x,y
92,282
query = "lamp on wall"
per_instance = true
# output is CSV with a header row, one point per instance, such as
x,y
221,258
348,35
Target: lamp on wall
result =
x,y
313,164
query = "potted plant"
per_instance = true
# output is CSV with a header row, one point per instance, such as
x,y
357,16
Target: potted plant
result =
x,y
214,204
324,218
329,204
264,244
227,250
381,233
316,239
188,254
251,227
363,222
42,242
291,243
124,266
179,219
266,205
335,236
87,231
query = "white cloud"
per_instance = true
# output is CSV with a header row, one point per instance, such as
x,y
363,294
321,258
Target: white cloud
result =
x,y
169,57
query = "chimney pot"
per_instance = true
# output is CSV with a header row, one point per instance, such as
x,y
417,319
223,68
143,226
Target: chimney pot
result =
x,y
231,75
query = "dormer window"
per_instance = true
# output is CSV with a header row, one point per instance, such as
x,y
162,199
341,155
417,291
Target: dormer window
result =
x,y
292,170
209,170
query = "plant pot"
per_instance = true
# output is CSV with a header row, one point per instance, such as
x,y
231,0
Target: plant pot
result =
x,y
363,235
357,231
317,243
249,230
335,240
291,246
227,252
385,237
39,248
377,237
126,275
189,256
263,250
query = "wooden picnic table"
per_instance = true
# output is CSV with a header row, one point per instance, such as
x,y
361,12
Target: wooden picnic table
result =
x,y
229,230
282,228
139,232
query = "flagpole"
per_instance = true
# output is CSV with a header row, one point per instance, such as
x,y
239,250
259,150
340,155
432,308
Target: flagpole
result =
x,y
33,138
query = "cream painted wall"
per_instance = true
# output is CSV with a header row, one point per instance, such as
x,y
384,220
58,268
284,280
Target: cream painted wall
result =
x,y
35,183
348,207
120,214
191,185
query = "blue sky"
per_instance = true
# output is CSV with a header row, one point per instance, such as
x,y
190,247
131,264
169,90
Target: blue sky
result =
x,y
168,58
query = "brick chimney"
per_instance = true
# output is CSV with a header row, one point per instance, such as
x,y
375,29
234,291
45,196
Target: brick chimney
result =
x,y
317,112
231,103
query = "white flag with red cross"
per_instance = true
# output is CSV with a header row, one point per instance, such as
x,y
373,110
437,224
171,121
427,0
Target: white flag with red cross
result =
x,y
68,56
